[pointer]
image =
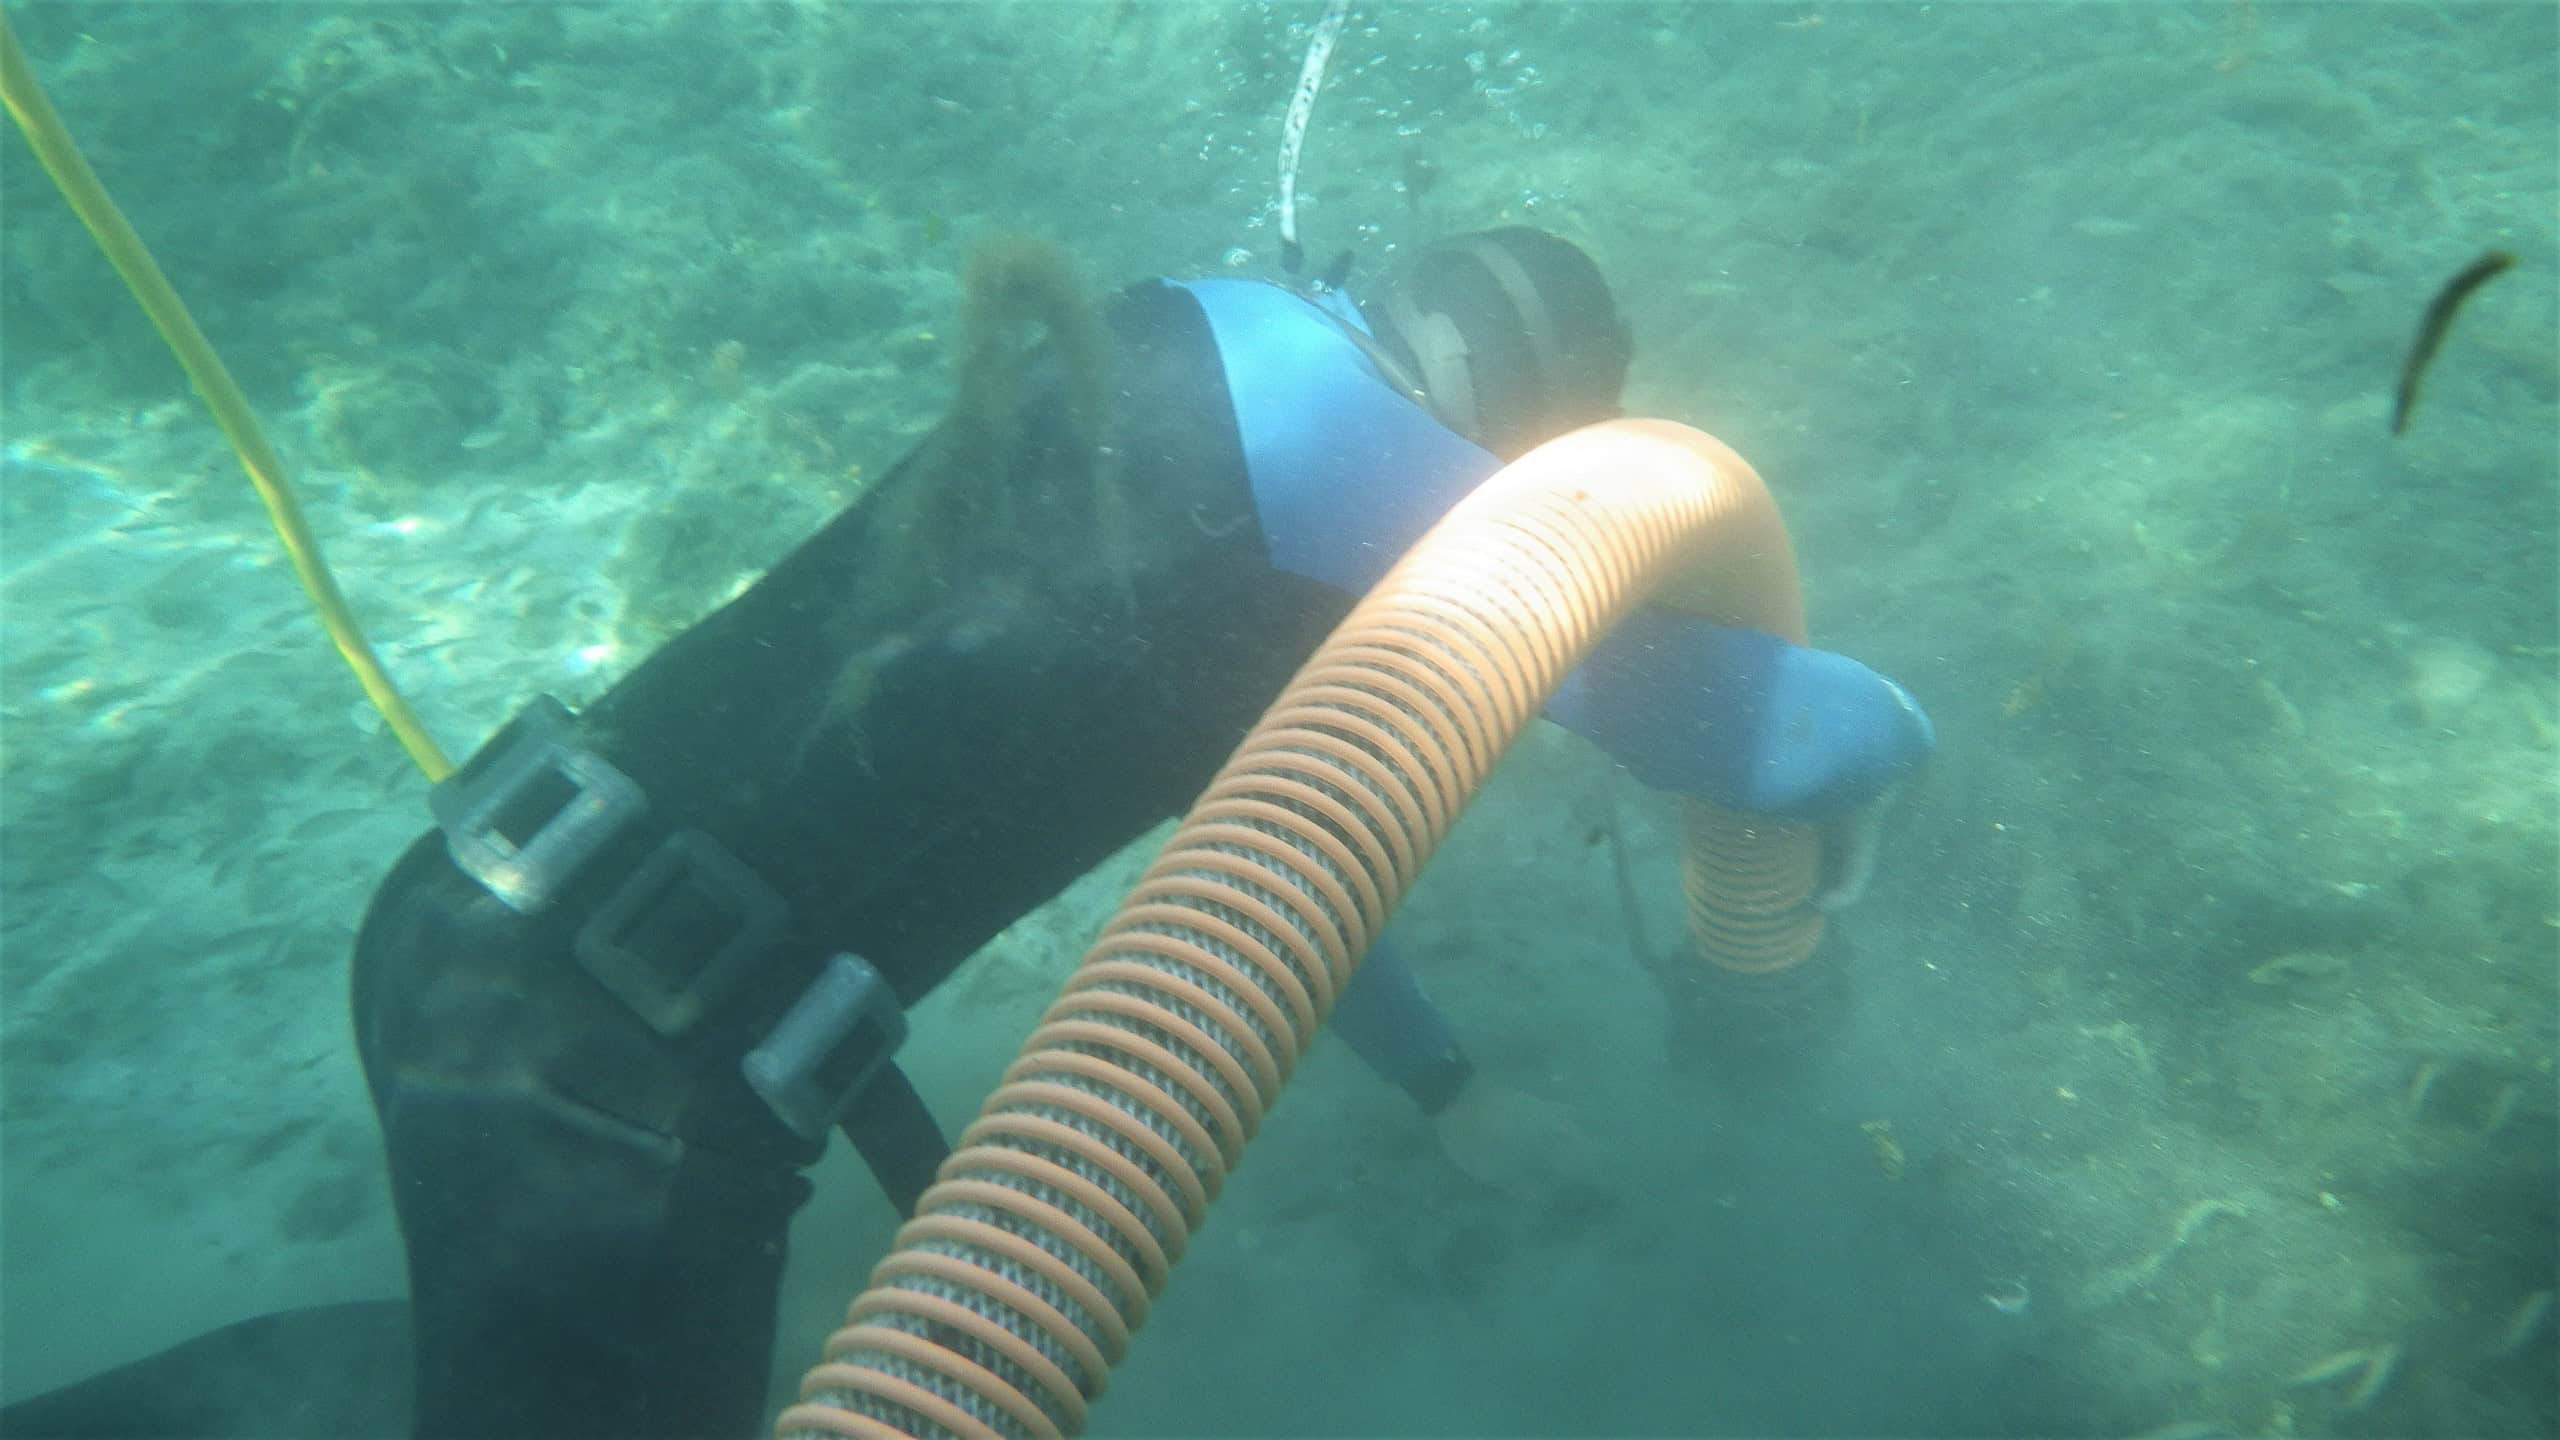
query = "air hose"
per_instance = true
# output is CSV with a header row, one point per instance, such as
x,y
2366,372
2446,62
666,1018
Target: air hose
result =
x,y
1029,1264
222,396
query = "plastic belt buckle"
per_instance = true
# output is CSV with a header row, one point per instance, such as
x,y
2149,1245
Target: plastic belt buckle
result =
x,y
530,808
678,935
828,1046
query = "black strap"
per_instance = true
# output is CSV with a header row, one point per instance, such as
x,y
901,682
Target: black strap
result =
x,y
896,1136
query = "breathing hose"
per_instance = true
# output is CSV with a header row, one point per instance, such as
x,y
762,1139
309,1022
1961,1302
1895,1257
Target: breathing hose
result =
x,y
222,396
1029,1264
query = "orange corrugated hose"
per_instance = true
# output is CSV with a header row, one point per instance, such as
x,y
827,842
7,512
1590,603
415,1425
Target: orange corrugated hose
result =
x,y
1029,1264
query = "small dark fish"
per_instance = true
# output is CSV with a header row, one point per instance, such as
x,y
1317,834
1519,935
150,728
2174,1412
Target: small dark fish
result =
x,y
2439,319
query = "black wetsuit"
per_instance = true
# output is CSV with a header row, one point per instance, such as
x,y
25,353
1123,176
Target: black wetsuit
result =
x,y
968,689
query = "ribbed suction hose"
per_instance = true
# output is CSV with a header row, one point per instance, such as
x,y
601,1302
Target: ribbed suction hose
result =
x,y
1018,1284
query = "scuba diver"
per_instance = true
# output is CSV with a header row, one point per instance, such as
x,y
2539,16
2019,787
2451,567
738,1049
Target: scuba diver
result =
x,y
654,952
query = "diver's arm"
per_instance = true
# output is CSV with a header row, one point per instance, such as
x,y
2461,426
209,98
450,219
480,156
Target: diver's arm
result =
x,y
1346,472
1742,718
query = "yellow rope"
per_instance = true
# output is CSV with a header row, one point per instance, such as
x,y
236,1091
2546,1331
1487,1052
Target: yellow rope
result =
x,y
124,250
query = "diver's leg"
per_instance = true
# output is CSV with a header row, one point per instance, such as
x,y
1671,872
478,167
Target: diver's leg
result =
x,y
571,1273
1394,1028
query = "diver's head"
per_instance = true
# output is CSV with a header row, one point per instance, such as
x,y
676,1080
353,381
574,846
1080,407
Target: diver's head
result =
x,y
1510,333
